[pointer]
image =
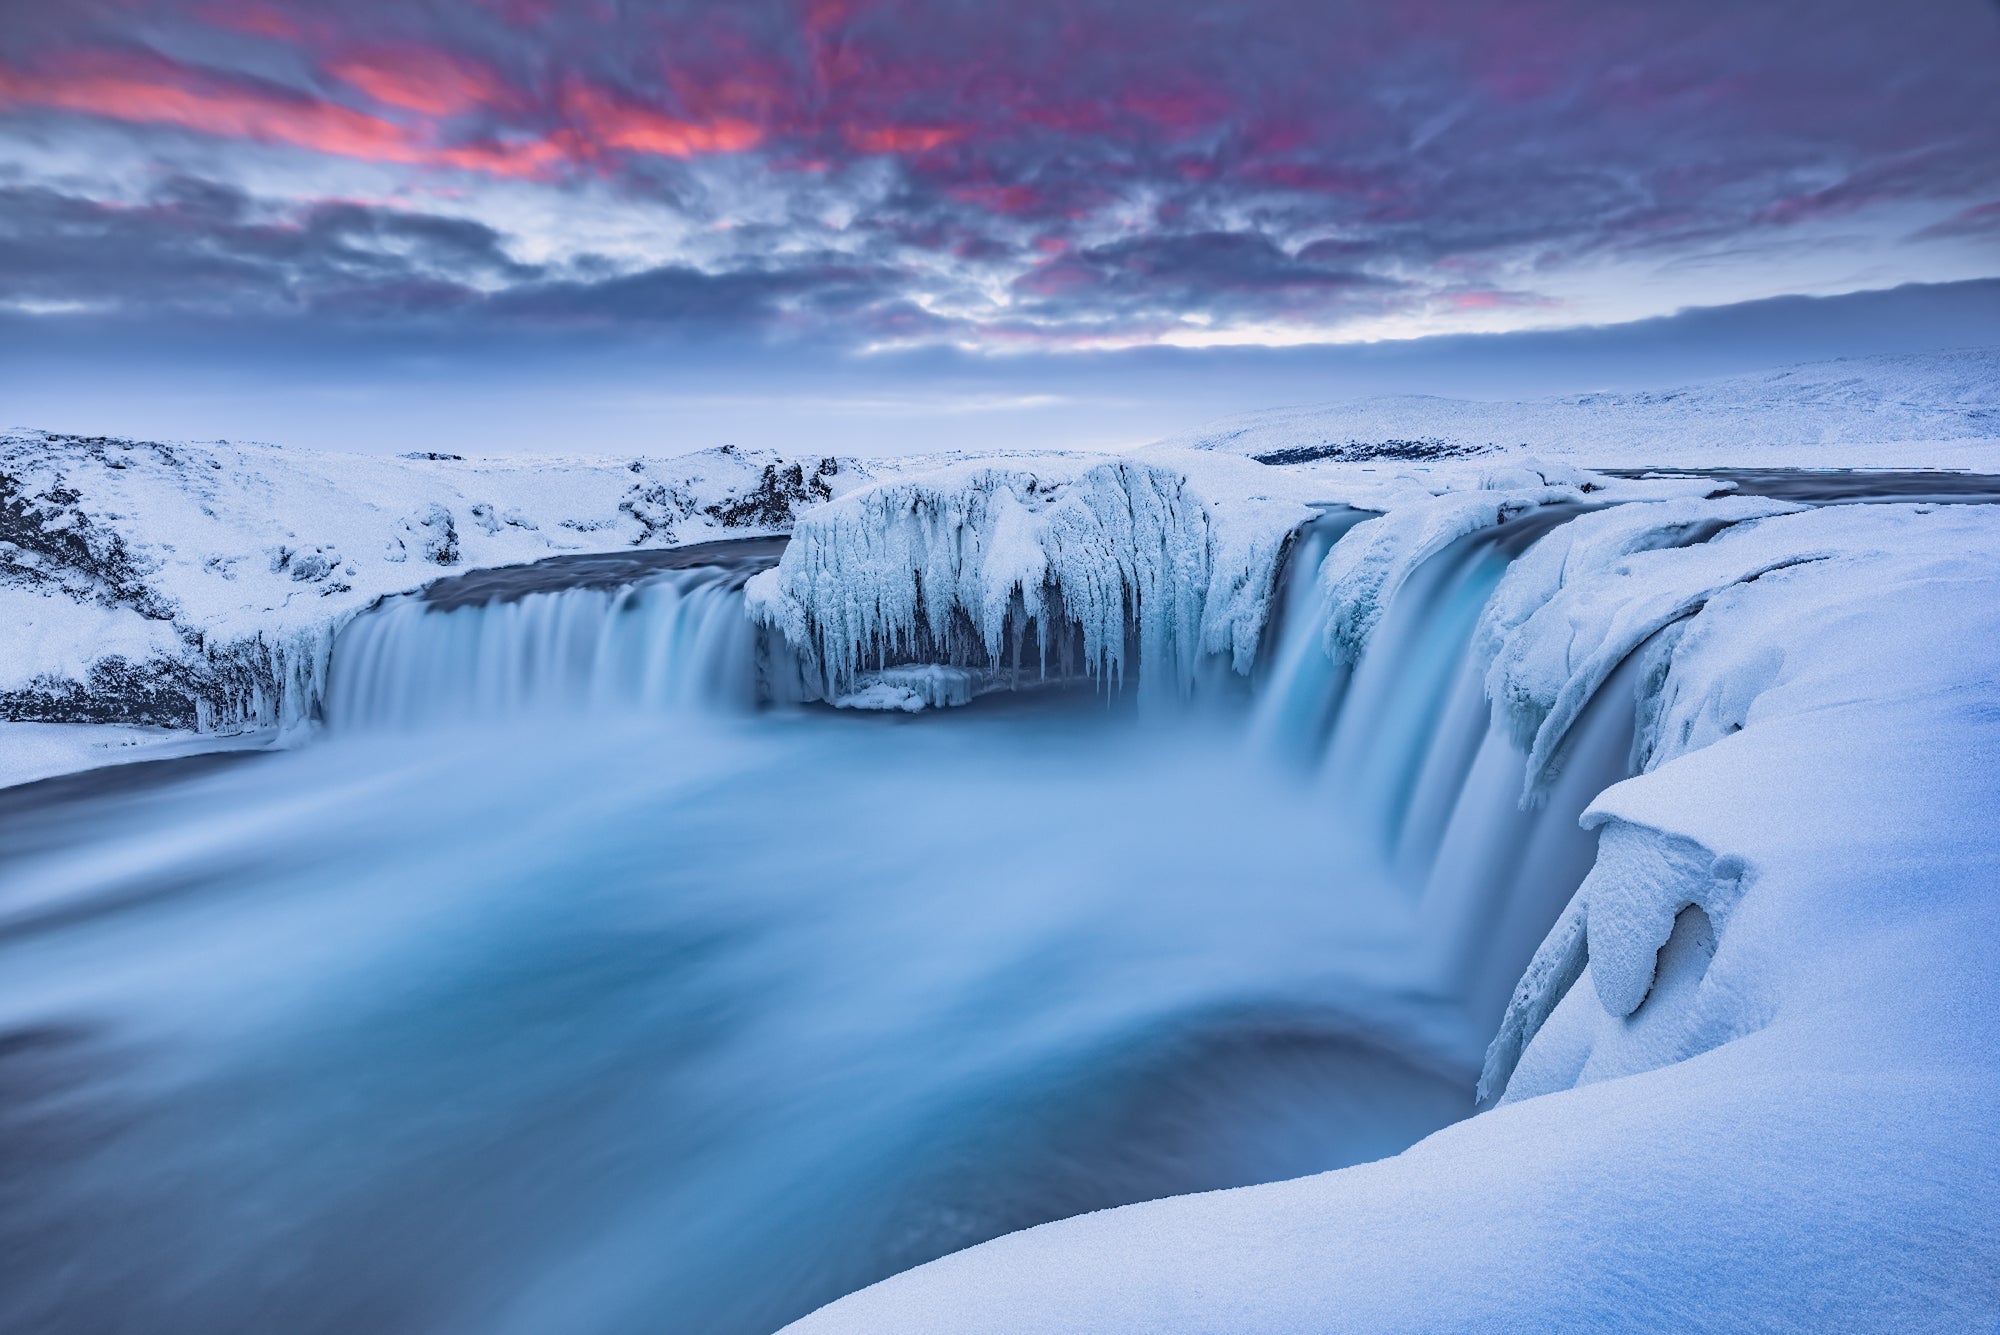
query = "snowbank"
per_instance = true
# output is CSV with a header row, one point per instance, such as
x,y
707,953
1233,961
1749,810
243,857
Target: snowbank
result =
x,y
1751,1080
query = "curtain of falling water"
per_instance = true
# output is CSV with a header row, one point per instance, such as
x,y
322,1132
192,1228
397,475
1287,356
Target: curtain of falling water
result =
x,y
636,1012
678,640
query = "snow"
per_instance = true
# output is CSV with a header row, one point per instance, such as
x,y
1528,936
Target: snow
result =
x,y
219,572
1366,568
1544,674
1757,1085
49,633
1176,554
1749,1079
1920,410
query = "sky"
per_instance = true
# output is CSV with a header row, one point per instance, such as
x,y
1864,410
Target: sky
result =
x,y
890,225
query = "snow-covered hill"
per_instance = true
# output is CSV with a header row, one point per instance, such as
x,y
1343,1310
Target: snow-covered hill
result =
x,y
1931,409
188,584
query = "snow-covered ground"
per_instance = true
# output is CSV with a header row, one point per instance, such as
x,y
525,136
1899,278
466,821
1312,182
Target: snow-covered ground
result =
x,y
198,586
1934,410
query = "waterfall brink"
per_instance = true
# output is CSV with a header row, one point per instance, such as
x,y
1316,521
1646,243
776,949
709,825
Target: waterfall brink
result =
x,y
672,640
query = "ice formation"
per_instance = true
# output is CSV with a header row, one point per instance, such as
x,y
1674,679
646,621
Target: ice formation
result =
x,y
913,688
1363,573
1006,565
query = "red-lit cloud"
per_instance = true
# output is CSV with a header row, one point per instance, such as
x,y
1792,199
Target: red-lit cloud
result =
x,y
430,82
149,92
603,120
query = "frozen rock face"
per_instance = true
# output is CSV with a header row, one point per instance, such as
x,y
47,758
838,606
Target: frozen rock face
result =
x,y
200,585
1054,567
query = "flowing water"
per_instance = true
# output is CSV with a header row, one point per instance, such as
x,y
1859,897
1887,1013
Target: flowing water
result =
x,y
557,986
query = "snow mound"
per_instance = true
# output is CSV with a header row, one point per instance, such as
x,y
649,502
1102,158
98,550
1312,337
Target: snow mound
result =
x,y
1549,668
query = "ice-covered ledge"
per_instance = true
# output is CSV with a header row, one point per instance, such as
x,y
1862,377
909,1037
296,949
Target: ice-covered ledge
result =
x,y
1757,1069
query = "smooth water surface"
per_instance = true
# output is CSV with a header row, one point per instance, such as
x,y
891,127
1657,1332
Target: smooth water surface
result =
x,y
663,1023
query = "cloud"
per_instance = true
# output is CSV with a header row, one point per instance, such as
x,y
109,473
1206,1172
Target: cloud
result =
x,y
971,171
200,246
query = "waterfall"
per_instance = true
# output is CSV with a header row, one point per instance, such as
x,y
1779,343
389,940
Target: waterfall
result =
x,y
1397,740
1408,756
670,640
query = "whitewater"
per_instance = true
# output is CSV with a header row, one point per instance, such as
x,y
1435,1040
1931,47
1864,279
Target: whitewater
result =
x,y
1157,892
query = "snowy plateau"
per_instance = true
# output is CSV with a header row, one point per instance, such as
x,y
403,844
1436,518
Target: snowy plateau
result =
x,y
1739,1071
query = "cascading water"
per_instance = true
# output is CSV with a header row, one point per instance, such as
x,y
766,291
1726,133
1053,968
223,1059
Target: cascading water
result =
x,y
536,1026
1424,783
671,639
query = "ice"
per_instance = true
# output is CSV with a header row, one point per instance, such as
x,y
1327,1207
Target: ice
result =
x,y
1593,541
1749,1074
1366,567
998,564
1363,572
911,688
1549,668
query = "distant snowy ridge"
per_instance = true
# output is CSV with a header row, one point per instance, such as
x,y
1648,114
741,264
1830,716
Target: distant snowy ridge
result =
x,y
200,585
1940,409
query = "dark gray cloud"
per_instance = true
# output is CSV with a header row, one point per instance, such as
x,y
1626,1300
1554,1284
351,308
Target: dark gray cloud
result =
x,y
1227,273
201,246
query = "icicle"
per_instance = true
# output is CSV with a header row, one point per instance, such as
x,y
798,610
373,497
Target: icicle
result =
x,y
950,567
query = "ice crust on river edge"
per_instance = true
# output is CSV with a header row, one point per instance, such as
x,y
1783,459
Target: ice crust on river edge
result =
x,y
1750,1080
